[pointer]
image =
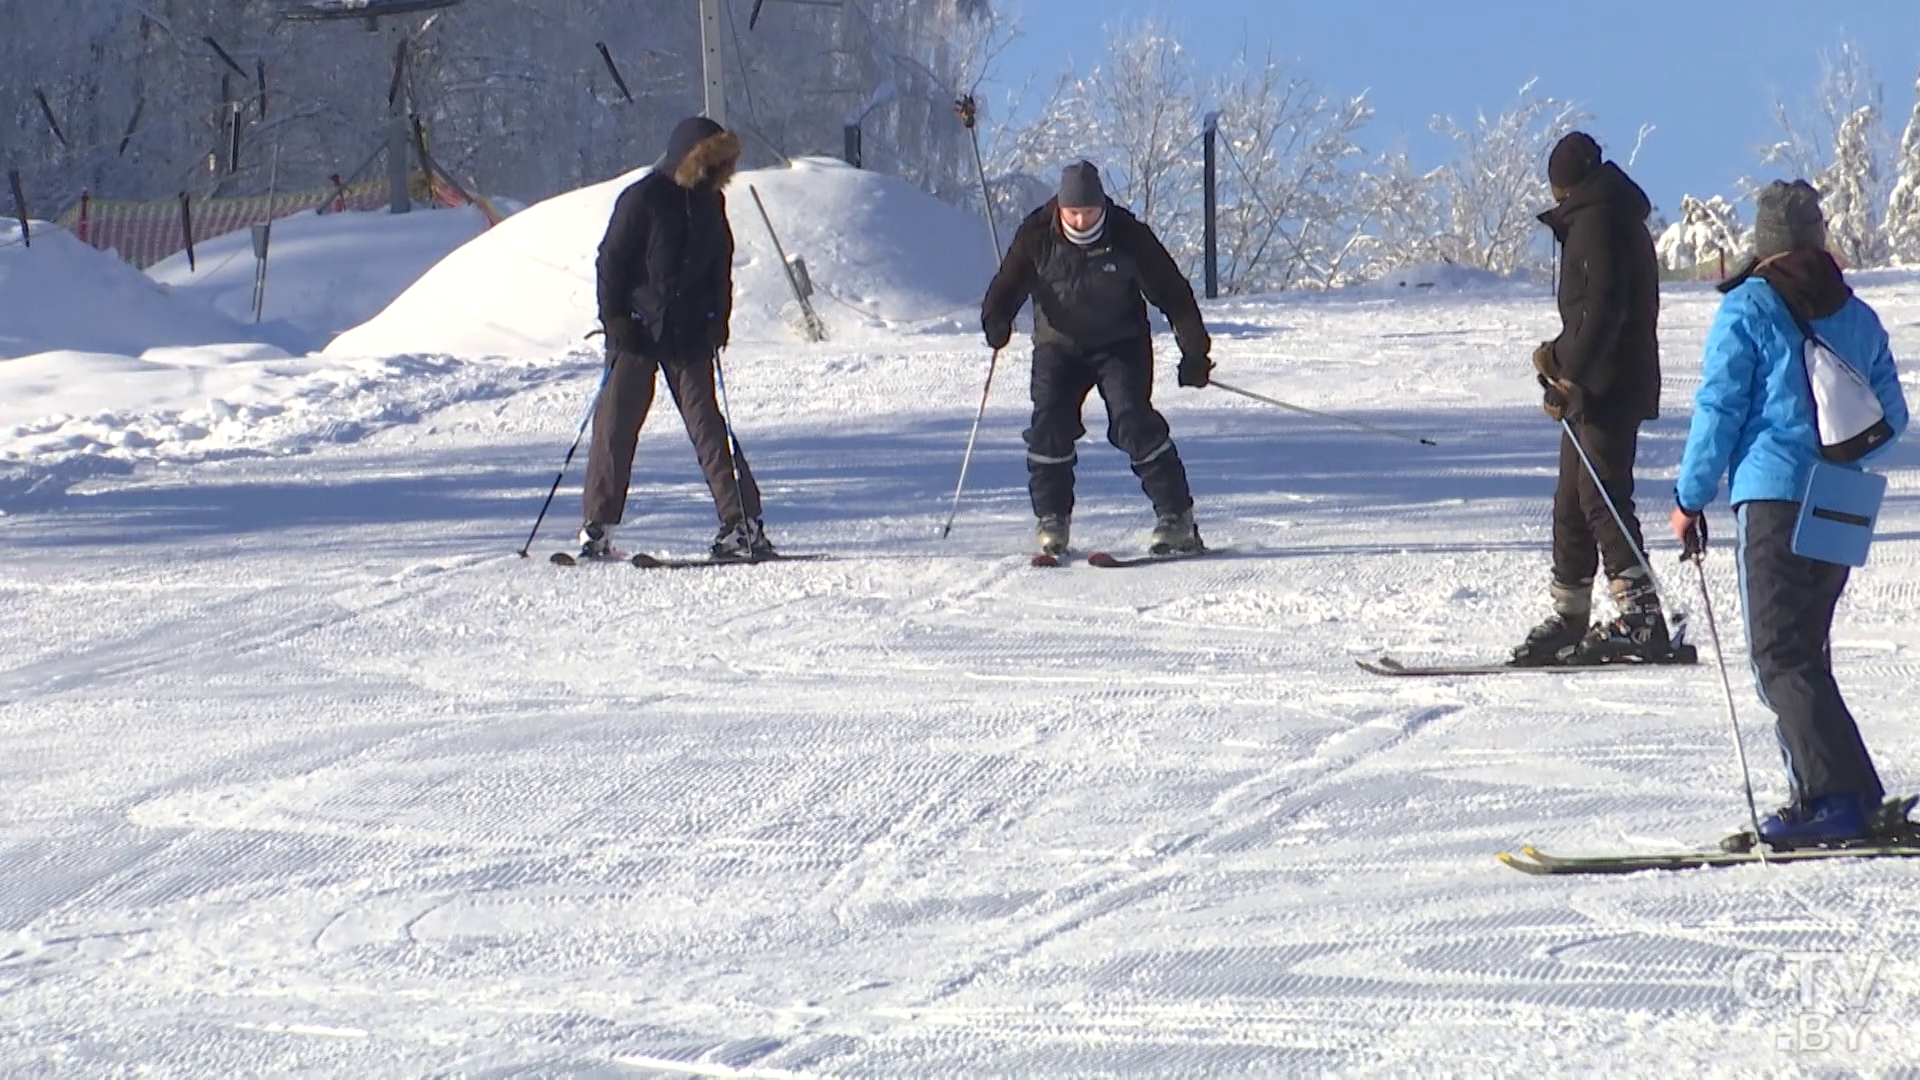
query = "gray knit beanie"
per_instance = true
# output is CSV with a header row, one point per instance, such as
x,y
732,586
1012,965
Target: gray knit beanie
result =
x,y
1080,186
1788,218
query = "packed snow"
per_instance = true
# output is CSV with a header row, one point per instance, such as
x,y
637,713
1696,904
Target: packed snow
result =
x,y
59,295
325,274
307,773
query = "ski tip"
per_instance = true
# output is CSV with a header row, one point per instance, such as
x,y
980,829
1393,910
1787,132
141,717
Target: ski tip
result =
x,y
644,561
561,558
1102,559
1525,866
1044,560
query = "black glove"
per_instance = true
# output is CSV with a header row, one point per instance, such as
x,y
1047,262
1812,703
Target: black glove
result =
x,y
998,333
717,335
1692,527
1194,370
620,335
1563,399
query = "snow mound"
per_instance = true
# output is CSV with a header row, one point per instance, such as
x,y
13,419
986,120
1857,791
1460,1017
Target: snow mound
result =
x,y
883,256
61,294
326,273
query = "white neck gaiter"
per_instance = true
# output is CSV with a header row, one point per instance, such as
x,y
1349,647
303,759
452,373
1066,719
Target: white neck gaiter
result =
x,y
1089,237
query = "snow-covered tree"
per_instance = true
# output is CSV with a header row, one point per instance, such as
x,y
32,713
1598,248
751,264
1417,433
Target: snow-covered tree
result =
x,y
1492,192
1708,236
1285,180
1903,205
1848,188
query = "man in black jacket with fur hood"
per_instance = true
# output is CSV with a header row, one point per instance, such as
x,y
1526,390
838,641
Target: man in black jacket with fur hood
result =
x,y
1602,376
1090,268
666,296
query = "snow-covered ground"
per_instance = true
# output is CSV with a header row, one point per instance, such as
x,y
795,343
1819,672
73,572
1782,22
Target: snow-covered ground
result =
x,y
307,774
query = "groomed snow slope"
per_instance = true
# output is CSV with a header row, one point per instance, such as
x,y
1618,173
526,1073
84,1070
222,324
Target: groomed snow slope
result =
x,y
304,773
883,255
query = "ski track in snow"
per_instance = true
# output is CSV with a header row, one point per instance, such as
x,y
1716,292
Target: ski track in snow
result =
x,y
305,774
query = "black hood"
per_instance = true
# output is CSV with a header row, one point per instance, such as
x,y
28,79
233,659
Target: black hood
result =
x,y
1606,185
1806,278
687,134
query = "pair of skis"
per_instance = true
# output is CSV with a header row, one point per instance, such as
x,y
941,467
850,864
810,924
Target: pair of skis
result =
x,y
1682,655
650,562
1893,836
1108,561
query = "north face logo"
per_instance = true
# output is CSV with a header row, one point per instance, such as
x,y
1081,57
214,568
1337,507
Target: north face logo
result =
x,y
1110,268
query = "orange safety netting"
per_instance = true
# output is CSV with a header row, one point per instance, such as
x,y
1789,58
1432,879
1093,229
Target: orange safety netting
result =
x,y
144,233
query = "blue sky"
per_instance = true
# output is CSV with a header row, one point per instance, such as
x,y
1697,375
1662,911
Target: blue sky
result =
x,y
1628,62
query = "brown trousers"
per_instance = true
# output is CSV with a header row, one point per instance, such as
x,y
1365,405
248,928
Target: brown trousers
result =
x,y
623,407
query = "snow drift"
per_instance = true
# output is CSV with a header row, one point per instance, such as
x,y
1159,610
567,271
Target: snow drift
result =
x,y
881,253
61,294
326,273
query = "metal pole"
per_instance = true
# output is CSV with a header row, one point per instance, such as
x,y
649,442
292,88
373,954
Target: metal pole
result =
x,y
398,200
1733,718
1302,409
853,144
969,112
592,406
1210,138
1638,555
710,69
966,460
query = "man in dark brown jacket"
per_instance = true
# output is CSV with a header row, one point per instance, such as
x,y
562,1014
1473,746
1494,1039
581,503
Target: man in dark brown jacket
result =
x,y
1602,375
666,295
1091,268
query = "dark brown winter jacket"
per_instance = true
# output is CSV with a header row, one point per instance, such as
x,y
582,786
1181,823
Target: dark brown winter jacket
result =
x,y
666,263
1093,297
1609,297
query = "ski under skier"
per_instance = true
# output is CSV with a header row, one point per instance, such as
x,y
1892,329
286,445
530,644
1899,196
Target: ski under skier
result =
x,y
1601,377
1753,420
666,295
1091,268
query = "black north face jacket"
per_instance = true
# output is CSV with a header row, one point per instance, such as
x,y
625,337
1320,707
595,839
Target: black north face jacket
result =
x,y
1094,297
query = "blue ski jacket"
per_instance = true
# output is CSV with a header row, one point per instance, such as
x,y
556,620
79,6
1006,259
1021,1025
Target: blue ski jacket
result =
x,y
1753,415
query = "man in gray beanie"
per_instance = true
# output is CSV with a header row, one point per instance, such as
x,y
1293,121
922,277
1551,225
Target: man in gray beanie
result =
x,y
1601,379
1753,422
1091,268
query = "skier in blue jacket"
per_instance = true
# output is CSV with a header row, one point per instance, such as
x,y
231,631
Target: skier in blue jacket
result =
x,y
1754,422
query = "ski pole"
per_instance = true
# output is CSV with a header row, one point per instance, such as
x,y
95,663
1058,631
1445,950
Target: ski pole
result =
x,y
1733,718
969,112
592,406
1638,556
1361,424
733,444
966,460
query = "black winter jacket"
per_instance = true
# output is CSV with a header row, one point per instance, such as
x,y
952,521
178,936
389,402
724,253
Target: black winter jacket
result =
x,y
1609,297
666,263
1093,297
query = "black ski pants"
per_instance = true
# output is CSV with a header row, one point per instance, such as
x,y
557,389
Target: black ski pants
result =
x,y
624,403
1585,535
1789,601
1123,373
